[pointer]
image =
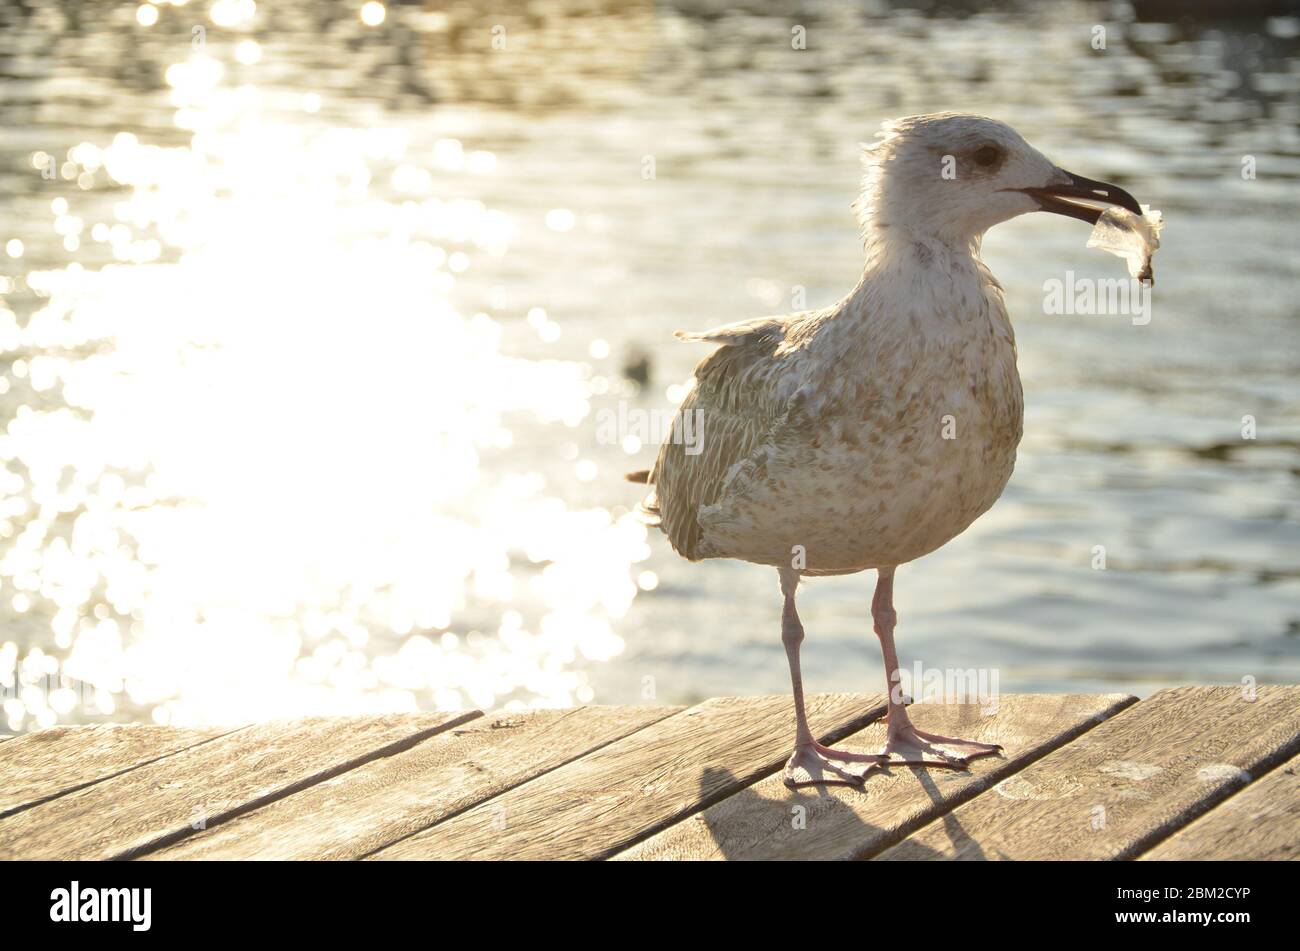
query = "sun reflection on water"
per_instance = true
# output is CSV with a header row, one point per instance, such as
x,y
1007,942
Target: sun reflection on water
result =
x,y
249,478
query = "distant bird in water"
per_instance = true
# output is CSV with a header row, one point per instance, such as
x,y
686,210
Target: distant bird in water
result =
x,y
869,434
636,367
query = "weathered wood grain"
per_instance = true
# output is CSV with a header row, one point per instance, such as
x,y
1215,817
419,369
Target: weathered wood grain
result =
x,y
391,798
630,789
770,821
156,804
1262,822
1118,789
49,763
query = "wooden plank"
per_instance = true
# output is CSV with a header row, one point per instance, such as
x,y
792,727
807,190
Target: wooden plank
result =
x,y
157,804
770,821
391,798
48,763
1262,822
1120,788
629,789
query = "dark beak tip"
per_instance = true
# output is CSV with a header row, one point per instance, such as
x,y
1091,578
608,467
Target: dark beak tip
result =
x,y
1055,198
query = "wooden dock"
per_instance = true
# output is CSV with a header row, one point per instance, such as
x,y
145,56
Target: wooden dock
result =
x,y
1190,773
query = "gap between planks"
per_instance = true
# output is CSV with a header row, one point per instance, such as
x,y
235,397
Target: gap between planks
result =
x,y
46,764
624,792
390,799
1122,788
768,821
162,802
1261,822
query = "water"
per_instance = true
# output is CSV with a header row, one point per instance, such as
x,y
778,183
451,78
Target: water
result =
x,y
308,339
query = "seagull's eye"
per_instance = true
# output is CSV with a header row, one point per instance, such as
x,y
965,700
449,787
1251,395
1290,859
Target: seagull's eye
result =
x,y
987,155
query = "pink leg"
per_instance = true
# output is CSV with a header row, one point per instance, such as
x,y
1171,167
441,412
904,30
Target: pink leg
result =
x,y
905,743
812,763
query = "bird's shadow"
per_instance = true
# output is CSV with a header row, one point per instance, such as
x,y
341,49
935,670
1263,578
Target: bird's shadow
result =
x,y
755,826
963,843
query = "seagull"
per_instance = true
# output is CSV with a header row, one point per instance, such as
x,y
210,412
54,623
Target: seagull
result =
x,y
872,432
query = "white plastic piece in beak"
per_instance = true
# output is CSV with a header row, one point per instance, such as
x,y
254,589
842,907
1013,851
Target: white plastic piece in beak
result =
x,y
1132,237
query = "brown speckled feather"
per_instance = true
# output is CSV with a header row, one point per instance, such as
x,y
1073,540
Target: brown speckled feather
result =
x,y
736,405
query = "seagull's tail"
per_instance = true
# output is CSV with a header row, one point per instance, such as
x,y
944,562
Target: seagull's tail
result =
x,y
647,510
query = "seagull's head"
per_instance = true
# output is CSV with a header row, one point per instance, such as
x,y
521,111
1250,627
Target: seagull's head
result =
x,y
951,177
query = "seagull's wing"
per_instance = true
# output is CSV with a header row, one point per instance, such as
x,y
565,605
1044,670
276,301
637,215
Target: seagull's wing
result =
x,y
732,408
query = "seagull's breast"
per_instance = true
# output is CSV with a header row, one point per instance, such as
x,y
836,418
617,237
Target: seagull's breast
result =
x,y
889,453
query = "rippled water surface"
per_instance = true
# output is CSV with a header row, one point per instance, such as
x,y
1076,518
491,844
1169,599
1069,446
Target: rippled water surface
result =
x,y
307,324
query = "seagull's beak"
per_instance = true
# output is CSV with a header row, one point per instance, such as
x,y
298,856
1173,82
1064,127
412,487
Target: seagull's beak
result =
x,y
1065,198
